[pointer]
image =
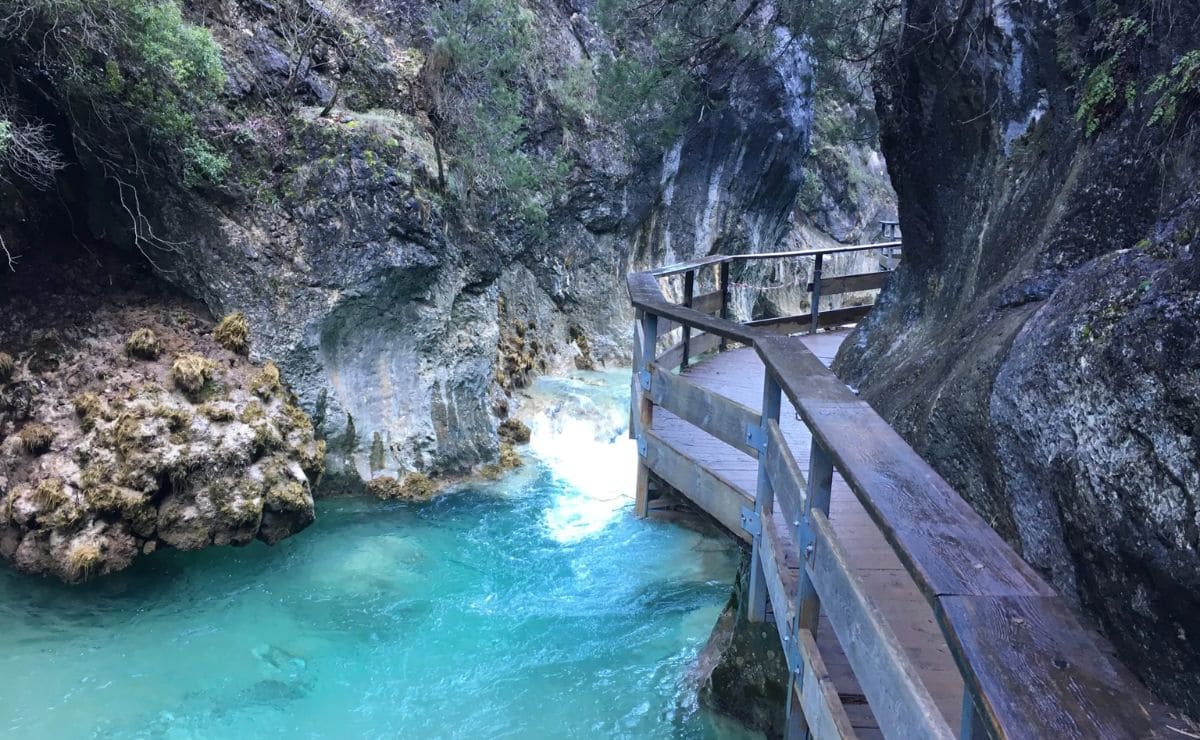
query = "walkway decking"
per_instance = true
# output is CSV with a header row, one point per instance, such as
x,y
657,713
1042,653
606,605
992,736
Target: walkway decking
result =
x,y
737,374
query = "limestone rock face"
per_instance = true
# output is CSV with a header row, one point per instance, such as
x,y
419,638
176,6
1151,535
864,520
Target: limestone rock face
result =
x,y
107,451
1038,343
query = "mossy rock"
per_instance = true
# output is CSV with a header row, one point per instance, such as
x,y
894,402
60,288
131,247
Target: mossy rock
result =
x,y
514,431
7,367
89,408
414,487
36,438
191,372
266,383
143,344
233,333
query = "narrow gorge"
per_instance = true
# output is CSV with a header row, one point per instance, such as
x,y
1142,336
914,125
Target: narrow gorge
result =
x,y
348,278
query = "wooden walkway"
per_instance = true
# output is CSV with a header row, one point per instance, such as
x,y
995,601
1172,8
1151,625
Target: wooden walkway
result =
x,y
737,374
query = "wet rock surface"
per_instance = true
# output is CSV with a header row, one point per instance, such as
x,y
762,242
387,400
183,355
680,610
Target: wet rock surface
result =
x,y
744,672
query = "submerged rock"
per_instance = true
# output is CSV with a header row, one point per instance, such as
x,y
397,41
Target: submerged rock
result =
x,y
130,429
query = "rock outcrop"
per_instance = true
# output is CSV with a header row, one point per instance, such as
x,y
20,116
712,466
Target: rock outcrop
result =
x,y
125,427
1038,344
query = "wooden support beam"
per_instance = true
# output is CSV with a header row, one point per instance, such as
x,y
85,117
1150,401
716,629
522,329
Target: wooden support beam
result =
x,y
710,491
817,698
646,411
700,343
787,480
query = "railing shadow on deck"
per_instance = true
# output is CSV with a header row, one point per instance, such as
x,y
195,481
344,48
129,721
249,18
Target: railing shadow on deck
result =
x,y
1030,669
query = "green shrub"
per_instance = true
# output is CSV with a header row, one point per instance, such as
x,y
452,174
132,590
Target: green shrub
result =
x,y
1182,81
130,73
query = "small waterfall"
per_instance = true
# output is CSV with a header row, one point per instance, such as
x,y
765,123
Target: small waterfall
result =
x,y
579,430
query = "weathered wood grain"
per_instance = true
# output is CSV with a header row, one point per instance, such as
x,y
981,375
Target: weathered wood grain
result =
x,y
724,419
818,697
891,684
710,491
672,357
784,474
1047,675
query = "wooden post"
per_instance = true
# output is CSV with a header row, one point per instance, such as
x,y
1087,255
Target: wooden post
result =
x,y
764,501
723,285
820,483
649,338
808,604
816,294
689,289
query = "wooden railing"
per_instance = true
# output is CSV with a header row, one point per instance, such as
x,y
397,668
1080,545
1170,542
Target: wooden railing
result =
x,y
1030,669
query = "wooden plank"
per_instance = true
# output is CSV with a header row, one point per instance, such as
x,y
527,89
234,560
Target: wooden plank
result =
x,y
1041,661
774,561
645,294
710,491
784,474
890,682
818,696
724,419
793,324
700,343
707,303
852,283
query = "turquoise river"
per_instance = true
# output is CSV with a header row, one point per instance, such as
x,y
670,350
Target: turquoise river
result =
x,y
533,607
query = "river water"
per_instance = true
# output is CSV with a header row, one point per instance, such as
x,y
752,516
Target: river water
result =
x,y
532,607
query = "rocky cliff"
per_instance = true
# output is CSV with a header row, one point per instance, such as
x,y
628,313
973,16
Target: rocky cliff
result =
x,y
1038,345
386,263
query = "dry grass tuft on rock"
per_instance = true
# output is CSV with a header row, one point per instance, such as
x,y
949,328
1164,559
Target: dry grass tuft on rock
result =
x,y
143,344
36,438
7,365
84,560
233,333
266,383
48,494
191,372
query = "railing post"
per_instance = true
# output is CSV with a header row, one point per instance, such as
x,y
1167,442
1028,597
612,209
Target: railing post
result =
x,y
689,289
816,294
649,332
764,501
723,286
820,484
808,604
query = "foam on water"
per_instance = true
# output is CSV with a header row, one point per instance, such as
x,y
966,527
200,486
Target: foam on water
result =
x,y
533,607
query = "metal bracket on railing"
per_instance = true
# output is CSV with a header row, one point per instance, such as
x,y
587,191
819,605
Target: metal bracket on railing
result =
x,y
791,651
756,437
644,379
641,445
750,522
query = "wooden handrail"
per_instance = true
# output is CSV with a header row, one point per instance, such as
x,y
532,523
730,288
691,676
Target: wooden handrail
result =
x,y
682,267
1030,667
